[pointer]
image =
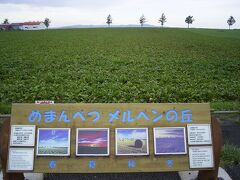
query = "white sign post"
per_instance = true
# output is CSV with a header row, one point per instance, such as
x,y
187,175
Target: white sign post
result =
x,y
22,135
20,159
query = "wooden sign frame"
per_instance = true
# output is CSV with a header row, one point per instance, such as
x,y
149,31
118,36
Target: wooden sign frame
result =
x,y
200,114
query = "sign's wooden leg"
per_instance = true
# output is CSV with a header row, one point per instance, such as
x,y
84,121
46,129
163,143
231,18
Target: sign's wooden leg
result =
x,y
217,144
4,142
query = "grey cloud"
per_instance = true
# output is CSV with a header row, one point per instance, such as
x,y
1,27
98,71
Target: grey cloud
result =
x,y
63,3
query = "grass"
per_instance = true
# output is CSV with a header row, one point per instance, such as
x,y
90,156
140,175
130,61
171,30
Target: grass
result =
x,y
230,155
234,105
121,65
5,108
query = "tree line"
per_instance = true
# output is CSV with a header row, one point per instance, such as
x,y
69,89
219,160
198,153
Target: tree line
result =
x,y
142,20
162,20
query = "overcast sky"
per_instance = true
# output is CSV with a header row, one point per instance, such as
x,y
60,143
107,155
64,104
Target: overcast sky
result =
x,y
208,13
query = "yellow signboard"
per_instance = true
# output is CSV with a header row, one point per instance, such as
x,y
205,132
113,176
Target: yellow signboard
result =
x,y
97,138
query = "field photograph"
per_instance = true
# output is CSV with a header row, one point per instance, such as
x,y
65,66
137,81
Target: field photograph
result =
x,y
170,140
131,141
92,142
53,142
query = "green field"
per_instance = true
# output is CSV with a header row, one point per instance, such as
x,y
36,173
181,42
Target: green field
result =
x,y
121,65
53,150
127,146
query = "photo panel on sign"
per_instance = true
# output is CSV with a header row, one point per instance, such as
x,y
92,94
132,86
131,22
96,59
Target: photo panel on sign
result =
x,y
21,159
199,134
169,140
131,141
22,135
53,142
92,142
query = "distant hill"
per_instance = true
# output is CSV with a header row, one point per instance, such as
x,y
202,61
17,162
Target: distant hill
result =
x,y
103,26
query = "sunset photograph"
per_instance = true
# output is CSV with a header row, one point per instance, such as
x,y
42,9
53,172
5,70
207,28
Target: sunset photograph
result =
x,y
92,142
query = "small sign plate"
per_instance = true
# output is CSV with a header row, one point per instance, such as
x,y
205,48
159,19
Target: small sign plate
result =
x,y
22,135
199,134
201,157
21,159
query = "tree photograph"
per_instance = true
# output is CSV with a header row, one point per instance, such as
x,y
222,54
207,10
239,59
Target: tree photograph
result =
x,y
189,20
142,20
47,22
109,20
231,21
162,20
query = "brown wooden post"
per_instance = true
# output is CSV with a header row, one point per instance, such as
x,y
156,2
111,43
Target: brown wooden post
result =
x,y
217,144
4,142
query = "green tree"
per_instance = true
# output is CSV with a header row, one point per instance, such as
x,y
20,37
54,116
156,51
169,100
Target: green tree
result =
x,y
142,20
5,21
162,19
231,21
47,22
109,20
189,20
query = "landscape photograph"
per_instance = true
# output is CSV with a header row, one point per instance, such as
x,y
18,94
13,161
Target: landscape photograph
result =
x,y
53,142
170,140
131,141
92,142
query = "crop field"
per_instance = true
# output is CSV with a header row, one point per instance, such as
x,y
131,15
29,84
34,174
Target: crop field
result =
x,y
53,150
121,65
128,147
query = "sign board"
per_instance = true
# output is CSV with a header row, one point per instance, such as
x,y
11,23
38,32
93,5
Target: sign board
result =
x,y
199,134
44,102
201,157
92,138
22,135
20,159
